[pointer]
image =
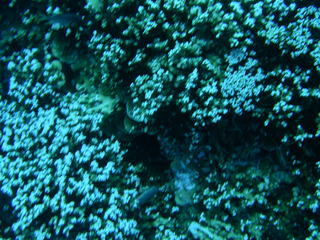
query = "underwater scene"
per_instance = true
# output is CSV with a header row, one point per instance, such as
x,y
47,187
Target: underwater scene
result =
x,y
160,119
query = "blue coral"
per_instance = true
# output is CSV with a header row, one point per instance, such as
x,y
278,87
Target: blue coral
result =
x,y
227,90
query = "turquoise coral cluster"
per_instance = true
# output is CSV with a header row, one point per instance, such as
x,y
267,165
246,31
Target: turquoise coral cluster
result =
x,y
215,104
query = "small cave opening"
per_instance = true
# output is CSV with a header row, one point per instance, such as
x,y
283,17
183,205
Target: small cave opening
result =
x,y
145,149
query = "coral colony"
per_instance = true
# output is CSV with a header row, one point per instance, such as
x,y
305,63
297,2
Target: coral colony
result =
x,y
164,120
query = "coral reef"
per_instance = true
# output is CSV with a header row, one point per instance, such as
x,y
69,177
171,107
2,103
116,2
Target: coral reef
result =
x,y
159,119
